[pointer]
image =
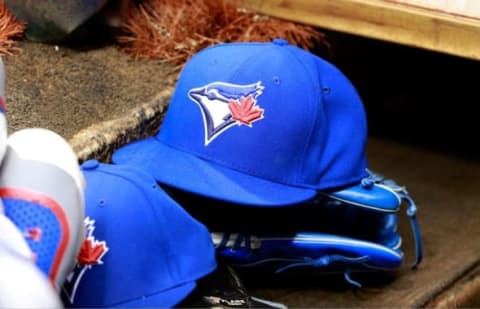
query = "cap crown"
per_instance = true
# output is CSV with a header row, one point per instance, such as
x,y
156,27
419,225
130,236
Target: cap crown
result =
x,y
138,243
269,110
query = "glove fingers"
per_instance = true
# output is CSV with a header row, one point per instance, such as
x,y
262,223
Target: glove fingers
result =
x,y
324,251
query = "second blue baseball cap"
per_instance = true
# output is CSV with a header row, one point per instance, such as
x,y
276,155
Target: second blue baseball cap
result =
x,y
141,249
264,124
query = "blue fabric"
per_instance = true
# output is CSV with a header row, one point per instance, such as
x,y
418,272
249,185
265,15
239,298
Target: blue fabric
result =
x,y
265,124
145,250
30,215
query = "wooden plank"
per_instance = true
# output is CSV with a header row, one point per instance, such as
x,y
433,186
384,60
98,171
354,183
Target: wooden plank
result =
x,y
385,20
463,294
468,8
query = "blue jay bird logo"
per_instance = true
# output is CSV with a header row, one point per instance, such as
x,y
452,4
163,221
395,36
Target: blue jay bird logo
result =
x,y
224,105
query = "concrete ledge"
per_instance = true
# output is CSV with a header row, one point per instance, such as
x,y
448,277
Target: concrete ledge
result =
x,y
101,139
68,89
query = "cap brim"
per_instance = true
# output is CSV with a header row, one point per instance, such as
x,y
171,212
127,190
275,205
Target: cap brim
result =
x,y
190,173
164,299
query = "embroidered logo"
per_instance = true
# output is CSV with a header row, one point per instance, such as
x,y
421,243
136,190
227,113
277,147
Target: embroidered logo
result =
x,y
224,105
91,253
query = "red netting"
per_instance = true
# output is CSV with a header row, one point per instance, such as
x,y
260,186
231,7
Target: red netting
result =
x,y
10,30
173,30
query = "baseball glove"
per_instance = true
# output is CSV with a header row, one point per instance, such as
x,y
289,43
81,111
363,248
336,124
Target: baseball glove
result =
x,y
354,229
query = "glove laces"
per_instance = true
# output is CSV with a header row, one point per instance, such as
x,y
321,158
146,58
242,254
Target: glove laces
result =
x,y
411,211
327,260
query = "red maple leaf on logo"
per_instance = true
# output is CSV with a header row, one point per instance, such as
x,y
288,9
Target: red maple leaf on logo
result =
x,y
245,111
91,252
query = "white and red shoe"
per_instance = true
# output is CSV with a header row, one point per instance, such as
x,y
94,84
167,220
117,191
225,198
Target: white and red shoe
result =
x,y
42,187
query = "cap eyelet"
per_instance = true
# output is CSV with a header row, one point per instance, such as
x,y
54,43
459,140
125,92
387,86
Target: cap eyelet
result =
x,y
276,80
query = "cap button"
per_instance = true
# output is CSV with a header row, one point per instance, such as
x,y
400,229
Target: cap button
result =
x,y
90,164
280,42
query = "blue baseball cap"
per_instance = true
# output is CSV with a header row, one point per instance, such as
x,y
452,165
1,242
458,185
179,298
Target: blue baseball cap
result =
x,y
265,124
141,249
